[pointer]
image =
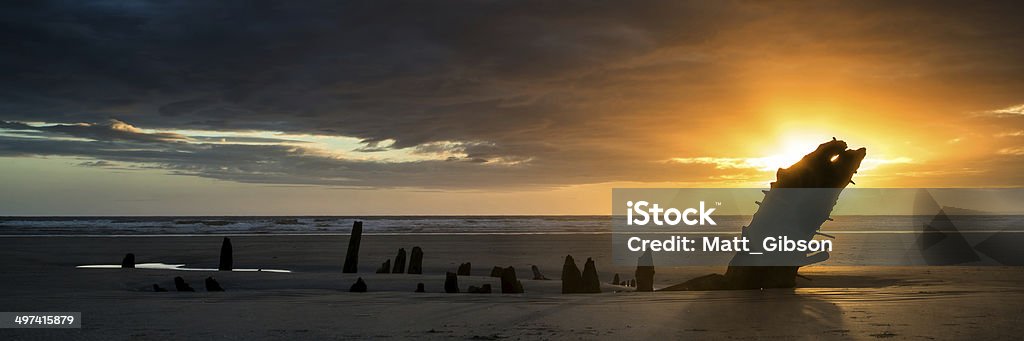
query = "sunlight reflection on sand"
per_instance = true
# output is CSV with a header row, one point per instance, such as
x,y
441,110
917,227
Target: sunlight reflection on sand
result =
x,y
164,266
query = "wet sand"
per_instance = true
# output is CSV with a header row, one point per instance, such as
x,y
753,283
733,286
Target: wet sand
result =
x,y
313,302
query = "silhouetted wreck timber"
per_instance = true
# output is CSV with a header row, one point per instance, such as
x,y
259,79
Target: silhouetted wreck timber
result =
x,y
797,215
465,269
591,281
399,262
226,258
128,262
537,276
212,285
451,283
181,285
352,255
572,280
644,280
484,289
509,283
416,261
385,268
358,286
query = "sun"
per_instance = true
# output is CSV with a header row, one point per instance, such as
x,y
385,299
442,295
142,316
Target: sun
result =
x,y
790,149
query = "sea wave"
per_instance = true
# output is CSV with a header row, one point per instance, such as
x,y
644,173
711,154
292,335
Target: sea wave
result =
x,y
432,225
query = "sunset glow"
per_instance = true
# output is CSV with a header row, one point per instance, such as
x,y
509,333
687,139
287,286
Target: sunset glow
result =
x,y
685,95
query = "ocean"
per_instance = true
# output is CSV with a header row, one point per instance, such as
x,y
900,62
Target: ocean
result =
x,y
384,225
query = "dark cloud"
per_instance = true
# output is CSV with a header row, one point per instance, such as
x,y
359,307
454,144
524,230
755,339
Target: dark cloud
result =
x,y
542,88
410,71
284,164
243,139
99,163
111,130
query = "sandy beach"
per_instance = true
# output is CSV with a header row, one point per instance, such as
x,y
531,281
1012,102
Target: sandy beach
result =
x,y
313,301
718,170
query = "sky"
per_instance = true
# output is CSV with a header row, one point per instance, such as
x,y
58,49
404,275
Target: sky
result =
x,y
489,107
